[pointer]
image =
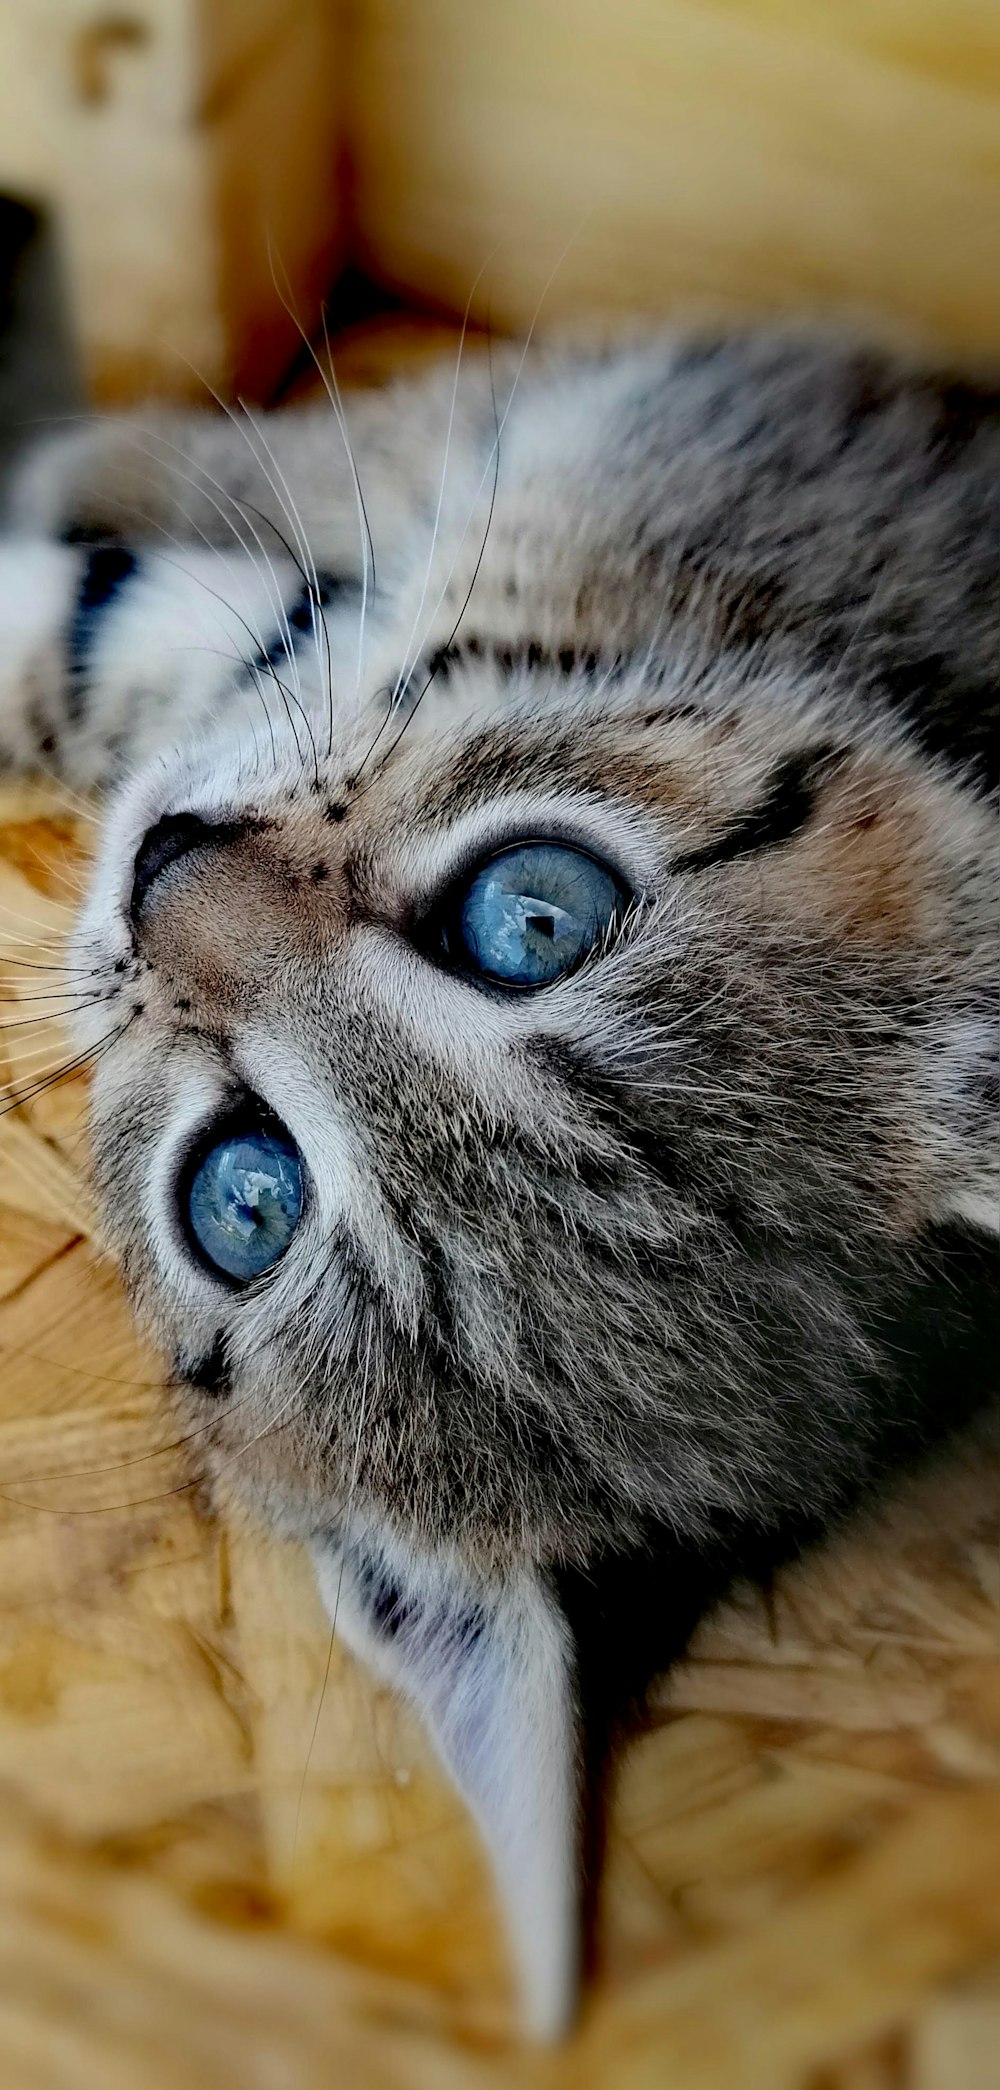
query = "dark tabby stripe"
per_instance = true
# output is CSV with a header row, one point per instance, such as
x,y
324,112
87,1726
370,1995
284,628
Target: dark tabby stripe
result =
x,y
211,1373
509,656
788,804
106,569
271,658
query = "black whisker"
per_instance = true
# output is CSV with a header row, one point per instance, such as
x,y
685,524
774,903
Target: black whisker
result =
x,y
159,1451
73,1066
184,1487
290,697
75,994
314,593
55,1015
251,668
36,965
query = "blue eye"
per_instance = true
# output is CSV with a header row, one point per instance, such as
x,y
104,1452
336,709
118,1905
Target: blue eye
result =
x,y
244,1202
532,913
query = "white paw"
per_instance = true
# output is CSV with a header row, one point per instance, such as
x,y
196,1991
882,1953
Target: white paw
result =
x,y
114,476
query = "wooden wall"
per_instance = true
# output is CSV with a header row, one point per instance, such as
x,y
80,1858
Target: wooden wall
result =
x,y
617,155
175,142
763,154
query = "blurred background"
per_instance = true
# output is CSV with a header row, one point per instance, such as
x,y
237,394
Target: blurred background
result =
x,y
226,1860
641,157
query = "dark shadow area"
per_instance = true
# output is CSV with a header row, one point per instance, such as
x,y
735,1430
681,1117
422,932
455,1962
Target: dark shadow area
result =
x,y
41,378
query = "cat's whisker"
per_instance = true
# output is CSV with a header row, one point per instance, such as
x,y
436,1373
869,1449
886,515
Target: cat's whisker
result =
x,y
52,969
306,563
20,1071
492,463
311,585
56,1020
57,1009
367,547
206,480
288,696
185,1487
48,937
18,1094
404,669
332,389
284,628
237,423
63,1009
324,658
286,506
495,453
249,626
40,964
230,523
145,1458
67,872
249,668
90,975
75,804
45,934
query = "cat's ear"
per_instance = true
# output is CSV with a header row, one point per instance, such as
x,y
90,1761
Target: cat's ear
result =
x,y
492,1675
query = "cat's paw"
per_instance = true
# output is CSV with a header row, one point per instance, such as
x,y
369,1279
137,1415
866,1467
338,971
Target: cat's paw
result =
x,y
110,477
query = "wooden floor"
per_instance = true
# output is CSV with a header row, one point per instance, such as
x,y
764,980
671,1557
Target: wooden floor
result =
x,y
227,1861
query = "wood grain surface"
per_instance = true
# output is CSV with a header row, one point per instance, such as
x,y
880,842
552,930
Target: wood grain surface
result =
x,y
673,155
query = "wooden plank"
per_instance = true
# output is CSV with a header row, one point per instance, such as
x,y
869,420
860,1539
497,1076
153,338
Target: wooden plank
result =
x,y
148,132
750,155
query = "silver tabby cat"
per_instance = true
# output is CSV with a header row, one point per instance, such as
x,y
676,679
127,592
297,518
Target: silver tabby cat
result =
x,y
541,983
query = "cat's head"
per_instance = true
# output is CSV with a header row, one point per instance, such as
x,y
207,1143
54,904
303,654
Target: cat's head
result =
x,y
519,1144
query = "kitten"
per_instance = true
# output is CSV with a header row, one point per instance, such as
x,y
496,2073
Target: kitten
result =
x,y
541,982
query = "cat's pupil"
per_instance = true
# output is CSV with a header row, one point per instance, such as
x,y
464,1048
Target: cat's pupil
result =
x,y
244,1202
530,914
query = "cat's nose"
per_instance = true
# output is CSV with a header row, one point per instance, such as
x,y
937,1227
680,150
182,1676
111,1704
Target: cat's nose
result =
x,y
167,842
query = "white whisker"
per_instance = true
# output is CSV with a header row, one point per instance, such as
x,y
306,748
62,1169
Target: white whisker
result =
x,y
200,486
487,468
332,389
401,677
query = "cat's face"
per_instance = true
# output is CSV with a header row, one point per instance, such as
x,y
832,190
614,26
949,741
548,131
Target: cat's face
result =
x,y
567,1230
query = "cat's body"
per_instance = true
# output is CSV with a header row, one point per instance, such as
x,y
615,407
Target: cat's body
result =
x,y
601,1293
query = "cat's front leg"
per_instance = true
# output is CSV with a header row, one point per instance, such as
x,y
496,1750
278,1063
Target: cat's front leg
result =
x,y
491,1672
336,486
109,653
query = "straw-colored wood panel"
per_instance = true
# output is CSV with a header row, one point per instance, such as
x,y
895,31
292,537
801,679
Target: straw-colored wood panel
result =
x,y
187,151
227,1860
753,154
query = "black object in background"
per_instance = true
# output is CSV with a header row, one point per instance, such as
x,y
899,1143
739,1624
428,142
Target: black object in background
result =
x,y
41,378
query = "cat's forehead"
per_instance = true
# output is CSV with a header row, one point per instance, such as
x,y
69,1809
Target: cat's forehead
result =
x,y
529,742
